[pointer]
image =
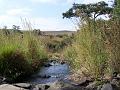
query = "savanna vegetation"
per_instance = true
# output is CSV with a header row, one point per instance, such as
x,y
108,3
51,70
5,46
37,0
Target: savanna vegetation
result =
x,y
21,53
95,50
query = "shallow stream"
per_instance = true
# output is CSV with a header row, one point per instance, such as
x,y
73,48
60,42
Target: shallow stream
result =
x,y
50,73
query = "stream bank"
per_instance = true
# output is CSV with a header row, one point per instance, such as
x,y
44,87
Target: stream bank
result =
x,y
54,76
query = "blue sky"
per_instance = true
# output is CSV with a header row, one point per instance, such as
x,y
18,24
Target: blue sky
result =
x,y
43,14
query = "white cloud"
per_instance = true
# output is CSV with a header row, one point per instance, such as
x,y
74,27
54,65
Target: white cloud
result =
x,y
70,1
42,23
66,1
18,11
45,1
93,1
1,1
50,23
55,1
8,20
84,1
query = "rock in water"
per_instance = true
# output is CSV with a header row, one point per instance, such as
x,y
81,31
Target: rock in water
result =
x,y
23,85
46,87
9,87
107,86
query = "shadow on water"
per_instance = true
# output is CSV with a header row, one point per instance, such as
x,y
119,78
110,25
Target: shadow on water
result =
x,y
52,72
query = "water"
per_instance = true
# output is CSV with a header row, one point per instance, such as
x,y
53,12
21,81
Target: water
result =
x,y
50,74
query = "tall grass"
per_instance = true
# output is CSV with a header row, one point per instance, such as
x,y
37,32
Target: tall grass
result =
x,y
20,54
96,49
113,44
88,52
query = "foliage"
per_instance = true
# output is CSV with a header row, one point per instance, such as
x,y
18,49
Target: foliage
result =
x,y
87,53
88,10
96,46
20,54
58,43
13,63
36,54
117,7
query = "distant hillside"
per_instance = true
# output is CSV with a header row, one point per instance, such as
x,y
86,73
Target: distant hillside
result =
x,y
58,32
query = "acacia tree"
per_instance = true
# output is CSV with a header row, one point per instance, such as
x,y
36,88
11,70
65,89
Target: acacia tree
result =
x,y
16,29
90,39
88,10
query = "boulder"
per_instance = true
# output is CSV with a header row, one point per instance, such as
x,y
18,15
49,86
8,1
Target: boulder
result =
x,y
72,88
42,87
84,82
46,87
2,80
10,87
62,62
47,65
36,88
107,86
115,82
23,85
99,87
92,86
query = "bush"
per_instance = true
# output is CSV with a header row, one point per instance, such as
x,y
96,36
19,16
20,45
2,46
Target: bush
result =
x,y
36,54
88,52
20,56
13,63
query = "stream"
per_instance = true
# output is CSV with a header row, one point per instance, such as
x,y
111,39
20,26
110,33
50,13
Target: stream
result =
x,y
49,73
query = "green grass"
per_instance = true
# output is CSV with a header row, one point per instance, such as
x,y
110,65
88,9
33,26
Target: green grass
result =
x,y
20,54
96,49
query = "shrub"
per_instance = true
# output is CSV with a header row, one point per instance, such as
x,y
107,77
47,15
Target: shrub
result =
x,y
13,63
20,56
36,53
88,52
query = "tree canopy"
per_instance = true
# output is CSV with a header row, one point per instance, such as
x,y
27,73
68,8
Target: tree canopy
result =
x,y
88,10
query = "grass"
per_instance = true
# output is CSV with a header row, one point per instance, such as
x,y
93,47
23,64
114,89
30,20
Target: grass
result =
x,y
20,54
95,50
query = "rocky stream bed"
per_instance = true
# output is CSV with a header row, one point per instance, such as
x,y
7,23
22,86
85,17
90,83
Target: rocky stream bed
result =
x,y
54,76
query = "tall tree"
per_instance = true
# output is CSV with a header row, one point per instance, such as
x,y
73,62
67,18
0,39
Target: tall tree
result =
x,y
88,10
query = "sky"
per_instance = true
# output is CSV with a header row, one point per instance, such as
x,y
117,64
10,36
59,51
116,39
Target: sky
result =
x,y
45,15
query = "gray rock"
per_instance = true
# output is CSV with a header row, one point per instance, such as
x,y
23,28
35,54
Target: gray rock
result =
x,y
72,88
47,86
107,86
99,87
115,82
2,80
23,85
41,87
62,85
10,87
118,76
92,85
37,88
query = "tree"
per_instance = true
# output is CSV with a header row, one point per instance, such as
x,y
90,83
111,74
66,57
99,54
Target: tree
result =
x,y
17,29
5,27
88,10
6,31
117,8
37,31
